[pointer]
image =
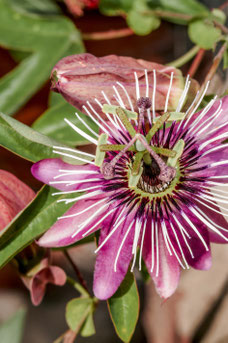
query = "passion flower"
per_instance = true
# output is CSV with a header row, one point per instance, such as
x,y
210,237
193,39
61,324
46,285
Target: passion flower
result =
x,y
148,188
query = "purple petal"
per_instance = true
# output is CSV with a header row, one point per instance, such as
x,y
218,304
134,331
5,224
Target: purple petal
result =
x,y
218,219
197,256
83,77
167,278
60,234
106,279
46,170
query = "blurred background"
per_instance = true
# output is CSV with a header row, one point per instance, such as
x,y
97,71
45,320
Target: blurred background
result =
x,y
178,318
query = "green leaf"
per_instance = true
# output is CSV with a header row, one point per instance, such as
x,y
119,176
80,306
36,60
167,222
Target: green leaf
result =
x,y
191,7
32,222
88,328
12,330
124,308
204,33
218,15
24,141
225,59
52,124
47,38
115,7
141,24
76,312
45,7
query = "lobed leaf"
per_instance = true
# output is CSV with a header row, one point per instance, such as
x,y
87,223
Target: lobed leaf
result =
x,y
204,33
77,311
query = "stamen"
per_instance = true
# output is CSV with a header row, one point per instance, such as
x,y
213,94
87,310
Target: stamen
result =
x,y
100,155
142,241
124,119
157,126
168,93
179,245
208,224
153,95
152,245
157,248
97,223
83,211
119,97
143,105
86,125
72,156
127,95
121,245
137,86
182,230
110,234
74,150
183,95
80,132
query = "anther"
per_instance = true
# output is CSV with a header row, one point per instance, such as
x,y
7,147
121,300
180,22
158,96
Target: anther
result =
x,y
107,170
144,103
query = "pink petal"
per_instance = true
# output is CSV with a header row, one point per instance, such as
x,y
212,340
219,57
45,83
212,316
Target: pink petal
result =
x,y
83,77
52,274
106,280
14,196
60,234
218,219
202,258
168,276
46,170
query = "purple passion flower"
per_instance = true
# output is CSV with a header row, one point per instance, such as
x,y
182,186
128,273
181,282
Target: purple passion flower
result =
x,y
149,188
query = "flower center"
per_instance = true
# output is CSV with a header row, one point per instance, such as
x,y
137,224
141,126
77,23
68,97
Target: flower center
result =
x,y
149,181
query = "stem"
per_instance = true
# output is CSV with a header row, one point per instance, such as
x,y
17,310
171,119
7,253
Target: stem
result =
x,y
221,27
223,5
216,61
209,318
165,14
77,286
111,34
76,270
196,62
67,337
179,62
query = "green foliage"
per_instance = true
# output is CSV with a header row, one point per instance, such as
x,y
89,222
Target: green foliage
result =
x,y
225,59
218,15
190,7
29,224
88,328
24,141
47,38
115,7
44,7
12,330
124,308
143,16
52,124
204,33
140,23
79,315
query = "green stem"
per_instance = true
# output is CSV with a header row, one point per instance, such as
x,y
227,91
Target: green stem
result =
x,y
77,271
169,14
77,286
179,62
